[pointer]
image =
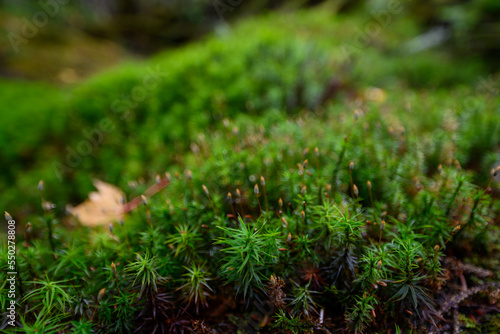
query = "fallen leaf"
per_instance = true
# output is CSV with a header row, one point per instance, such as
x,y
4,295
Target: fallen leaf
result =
x,y
108,204
375,94
102,207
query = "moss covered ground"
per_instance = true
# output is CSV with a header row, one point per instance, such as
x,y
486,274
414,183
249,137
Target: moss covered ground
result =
x,y
313,184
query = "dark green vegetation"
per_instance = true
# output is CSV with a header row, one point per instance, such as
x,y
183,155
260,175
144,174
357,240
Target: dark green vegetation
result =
x,y
301,198
144,27
280,62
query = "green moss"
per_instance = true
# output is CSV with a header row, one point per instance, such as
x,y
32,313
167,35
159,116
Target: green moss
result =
x,y
269,194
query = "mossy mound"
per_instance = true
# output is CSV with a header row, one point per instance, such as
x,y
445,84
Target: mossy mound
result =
x,y
349,220
140,117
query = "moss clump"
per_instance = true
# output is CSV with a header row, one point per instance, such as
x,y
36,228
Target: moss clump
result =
x,y
102,126
278,211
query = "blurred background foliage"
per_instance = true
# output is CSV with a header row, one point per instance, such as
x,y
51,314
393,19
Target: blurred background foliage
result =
x,y
89,35
65,81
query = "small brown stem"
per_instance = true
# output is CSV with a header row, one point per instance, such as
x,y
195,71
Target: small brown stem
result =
x,y
263,183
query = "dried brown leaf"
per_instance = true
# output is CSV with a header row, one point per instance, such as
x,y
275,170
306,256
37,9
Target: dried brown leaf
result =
x,y
102,207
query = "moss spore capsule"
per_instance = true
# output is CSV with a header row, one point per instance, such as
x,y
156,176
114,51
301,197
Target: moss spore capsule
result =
x,y
205,189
